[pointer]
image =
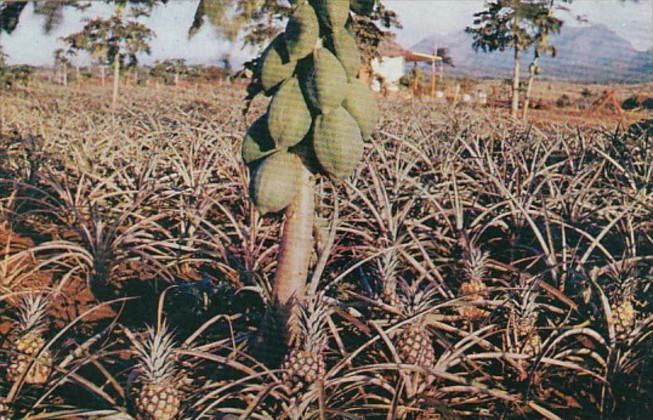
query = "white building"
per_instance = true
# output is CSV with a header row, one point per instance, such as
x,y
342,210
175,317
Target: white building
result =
x,y
391,65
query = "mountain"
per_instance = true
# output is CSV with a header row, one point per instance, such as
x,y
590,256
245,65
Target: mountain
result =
x,y
588,54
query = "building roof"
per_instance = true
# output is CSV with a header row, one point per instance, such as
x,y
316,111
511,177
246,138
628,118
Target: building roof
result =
x,y
391,49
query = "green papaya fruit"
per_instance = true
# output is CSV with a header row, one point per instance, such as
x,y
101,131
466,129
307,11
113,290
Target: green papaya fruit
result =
x,y
275,64
325,81
302,32
337,143
334,13
361,104
275,182
289,118
257,142
343,45
362,7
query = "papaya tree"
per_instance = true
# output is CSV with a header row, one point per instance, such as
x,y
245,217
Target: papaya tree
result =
x,y
509,24
315,126
61,63
545,24
116,41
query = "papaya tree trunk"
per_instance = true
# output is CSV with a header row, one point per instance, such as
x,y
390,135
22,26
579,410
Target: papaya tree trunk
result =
x,y
296,244
529,89
292,272
515,83
116,81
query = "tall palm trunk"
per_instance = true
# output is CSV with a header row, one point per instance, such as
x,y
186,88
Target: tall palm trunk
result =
x,y
515,83
116,81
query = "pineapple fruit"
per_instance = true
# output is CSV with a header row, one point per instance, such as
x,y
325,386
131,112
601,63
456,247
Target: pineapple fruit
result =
x,y
473,290
414,346
523,320
526,331
304,365
159,397
27,358
413,343
624,314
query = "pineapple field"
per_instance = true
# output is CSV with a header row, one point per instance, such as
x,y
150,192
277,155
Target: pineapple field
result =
x,y
469,266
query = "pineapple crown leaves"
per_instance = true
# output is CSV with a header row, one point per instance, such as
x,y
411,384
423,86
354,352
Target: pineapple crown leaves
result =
x,y
474,260
155,353
313,315
415,299
32,312
421,300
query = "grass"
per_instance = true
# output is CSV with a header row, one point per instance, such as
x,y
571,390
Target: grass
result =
x,y
132,218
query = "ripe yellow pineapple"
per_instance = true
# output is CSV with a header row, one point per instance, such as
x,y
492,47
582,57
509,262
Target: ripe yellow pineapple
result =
x,y
159,397
624,314
473,290
28,358
529,339
391,298
304,365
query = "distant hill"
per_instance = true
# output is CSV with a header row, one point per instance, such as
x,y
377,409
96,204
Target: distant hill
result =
x,y
588,54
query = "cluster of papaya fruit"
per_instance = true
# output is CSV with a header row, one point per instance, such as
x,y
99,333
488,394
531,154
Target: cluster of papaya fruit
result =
x,y
320,112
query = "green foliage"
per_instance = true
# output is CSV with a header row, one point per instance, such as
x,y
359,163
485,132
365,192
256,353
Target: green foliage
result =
x,y
514,24
169,69
114,38
13,76
370,30
259,19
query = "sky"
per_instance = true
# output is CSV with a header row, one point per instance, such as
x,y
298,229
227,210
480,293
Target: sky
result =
x,y
420,18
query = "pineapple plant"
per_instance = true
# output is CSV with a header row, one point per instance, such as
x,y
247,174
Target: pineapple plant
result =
x,y
29,360
159,397
304,364
523,320
527,335
413,343
473,290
